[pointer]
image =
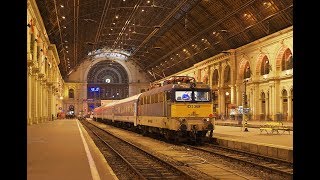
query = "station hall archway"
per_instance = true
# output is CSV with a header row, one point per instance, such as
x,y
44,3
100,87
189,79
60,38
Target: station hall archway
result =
x,y
106,80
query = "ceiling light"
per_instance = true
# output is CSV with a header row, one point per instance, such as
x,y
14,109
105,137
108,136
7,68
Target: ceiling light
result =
x,y
267,4
117,16
148,1
142,10
63,17
61,6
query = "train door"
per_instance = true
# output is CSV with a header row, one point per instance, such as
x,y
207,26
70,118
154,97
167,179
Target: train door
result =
x,y
167,103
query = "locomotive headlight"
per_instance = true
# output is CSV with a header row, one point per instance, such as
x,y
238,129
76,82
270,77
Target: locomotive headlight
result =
x,y
206,119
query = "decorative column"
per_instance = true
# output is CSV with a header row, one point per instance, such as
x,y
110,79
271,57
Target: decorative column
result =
x,y
238,95
267,106
233,94
29,96
34,108
50,112
54,102
44,101
223,102
272,102
255,103
39,99
290,110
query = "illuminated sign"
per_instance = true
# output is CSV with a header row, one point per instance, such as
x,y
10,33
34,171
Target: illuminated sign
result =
x,y
94,89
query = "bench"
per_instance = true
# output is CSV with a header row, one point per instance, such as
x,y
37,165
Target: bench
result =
x,y
274,127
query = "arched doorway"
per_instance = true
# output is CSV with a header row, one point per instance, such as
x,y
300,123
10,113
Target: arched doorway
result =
x,y
284,104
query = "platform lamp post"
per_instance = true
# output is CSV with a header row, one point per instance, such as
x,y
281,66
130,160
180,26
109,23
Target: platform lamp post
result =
x,y
245,106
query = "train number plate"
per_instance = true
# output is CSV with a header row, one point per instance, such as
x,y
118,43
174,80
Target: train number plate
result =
x,y
193,106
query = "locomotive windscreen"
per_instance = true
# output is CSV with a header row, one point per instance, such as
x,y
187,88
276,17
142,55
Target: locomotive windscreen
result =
x,y
196,95
201,96
183,95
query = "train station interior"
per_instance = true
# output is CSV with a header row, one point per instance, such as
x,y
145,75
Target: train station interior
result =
x,y
82,55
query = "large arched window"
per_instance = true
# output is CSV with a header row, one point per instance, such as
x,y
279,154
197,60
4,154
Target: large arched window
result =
x,y
107,80
227,75
215,77
265,66
287,60
71,93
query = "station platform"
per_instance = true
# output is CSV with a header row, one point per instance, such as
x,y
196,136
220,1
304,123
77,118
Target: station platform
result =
x,y
231,134
62,149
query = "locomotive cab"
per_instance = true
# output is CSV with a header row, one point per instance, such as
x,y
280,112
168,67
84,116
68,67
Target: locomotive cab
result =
x,y
190,104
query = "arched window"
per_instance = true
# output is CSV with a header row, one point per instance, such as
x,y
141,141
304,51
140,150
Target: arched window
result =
x,y
215,77
247,72
227,75
287,60
71,93
265,66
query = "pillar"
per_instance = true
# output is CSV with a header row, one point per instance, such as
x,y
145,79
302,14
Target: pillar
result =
x,y
50,103
29,97
233,94
34,97
267,106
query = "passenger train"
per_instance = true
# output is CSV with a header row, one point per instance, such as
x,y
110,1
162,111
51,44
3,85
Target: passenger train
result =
x,y
180,110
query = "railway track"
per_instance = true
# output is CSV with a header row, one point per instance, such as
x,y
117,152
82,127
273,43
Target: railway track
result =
x,y
142,163
265,163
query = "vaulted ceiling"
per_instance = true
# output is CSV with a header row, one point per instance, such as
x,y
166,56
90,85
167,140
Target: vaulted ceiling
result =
x,y
162,37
